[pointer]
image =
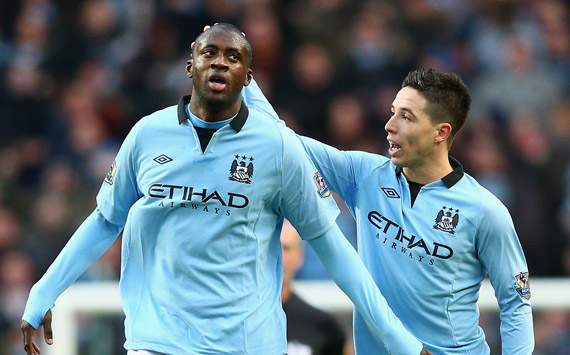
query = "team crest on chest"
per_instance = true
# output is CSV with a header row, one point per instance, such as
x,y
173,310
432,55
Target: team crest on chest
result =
x,y
447,220
241,169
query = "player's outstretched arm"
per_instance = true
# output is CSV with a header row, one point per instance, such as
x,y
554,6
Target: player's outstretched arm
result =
x,y
254,97
334,164
311,210
337,166
349,273
88,243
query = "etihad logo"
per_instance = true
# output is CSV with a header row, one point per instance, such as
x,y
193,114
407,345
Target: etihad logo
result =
x,y
197,198
411,245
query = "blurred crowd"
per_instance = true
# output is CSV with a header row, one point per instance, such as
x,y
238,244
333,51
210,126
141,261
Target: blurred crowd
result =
x,y
75,75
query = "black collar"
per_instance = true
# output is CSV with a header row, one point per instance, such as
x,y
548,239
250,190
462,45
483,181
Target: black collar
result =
x,y
450,179
237,123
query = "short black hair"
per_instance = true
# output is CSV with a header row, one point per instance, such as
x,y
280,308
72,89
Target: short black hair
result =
x,y
448,96
228,27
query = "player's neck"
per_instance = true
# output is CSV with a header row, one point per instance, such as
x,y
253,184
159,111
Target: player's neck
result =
x,y
429,171
210,112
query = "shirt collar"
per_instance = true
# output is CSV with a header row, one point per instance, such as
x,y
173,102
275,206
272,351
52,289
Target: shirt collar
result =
x,y
450,179
237,123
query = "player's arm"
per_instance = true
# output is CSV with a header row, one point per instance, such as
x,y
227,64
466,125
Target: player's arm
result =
x,y
254,97
313,215
502,256
93,237
353,278
336,166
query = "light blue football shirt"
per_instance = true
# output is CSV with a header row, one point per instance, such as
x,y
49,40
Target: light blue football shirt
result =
x,y
429,259
191,284
201,256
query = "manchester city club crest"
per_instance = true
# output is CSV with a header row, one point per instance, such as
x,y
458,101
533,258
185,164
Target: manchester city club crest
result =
x,y
241,169
447,220
522,285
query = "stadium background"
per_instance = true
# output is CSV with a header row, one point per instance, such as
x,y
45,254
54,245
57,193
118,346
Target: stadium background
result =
x,y
76,75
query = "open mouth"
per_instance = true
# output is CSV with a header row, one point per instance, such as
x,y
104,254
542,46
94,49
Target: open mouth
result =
x,y
216,82
393,147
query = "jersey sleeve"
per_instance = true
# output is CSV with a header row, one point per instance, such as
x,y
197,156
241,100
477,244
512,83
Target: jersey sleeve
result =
x,y
335,165
119,189
501,254
349,273
340,169
253,97
305,199
93,237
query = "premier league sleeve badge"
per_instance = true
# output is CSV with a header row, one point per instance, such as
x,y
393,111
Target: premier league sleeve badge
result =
x,y
321,184
522,285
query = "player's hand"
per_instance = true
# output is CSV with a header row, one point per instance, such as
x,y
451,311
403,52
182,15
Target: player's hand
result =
x,y
30,333
425,352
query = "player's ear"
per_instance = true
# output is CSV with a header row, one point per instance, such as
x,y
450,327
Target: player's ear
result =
x,y
189,64
249,77
443,131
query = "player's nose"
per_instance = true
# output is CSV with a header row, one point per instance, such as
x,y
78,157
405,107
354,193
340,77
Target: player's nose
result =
x,y
390,125
219,62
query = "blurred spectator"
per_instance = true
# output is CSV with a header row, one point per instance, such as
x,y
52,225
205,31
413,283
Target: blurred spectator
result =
x,y
16,277
552,335
309,89
521,84
346,124
264,34
10,230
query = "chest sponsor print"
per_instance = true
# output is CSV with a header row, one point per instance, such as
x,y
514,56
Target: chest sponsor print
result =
x,y
393,236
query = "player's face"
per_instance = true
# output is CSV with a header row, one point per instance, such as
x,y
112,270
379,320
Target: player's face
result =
x,y
219,67
411,133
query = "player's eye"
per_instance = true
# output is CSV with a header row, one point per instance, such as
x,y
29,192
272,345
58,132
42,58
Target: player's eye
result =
x,y
233,57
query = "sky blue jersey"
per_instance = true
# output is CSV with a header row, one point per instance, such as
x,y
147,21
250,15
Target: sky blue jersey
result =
x,y
201,255
430,258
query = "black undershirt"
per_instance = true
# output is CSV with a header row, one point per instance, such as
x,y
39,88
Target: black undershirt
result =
x,y
204,135
414,190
